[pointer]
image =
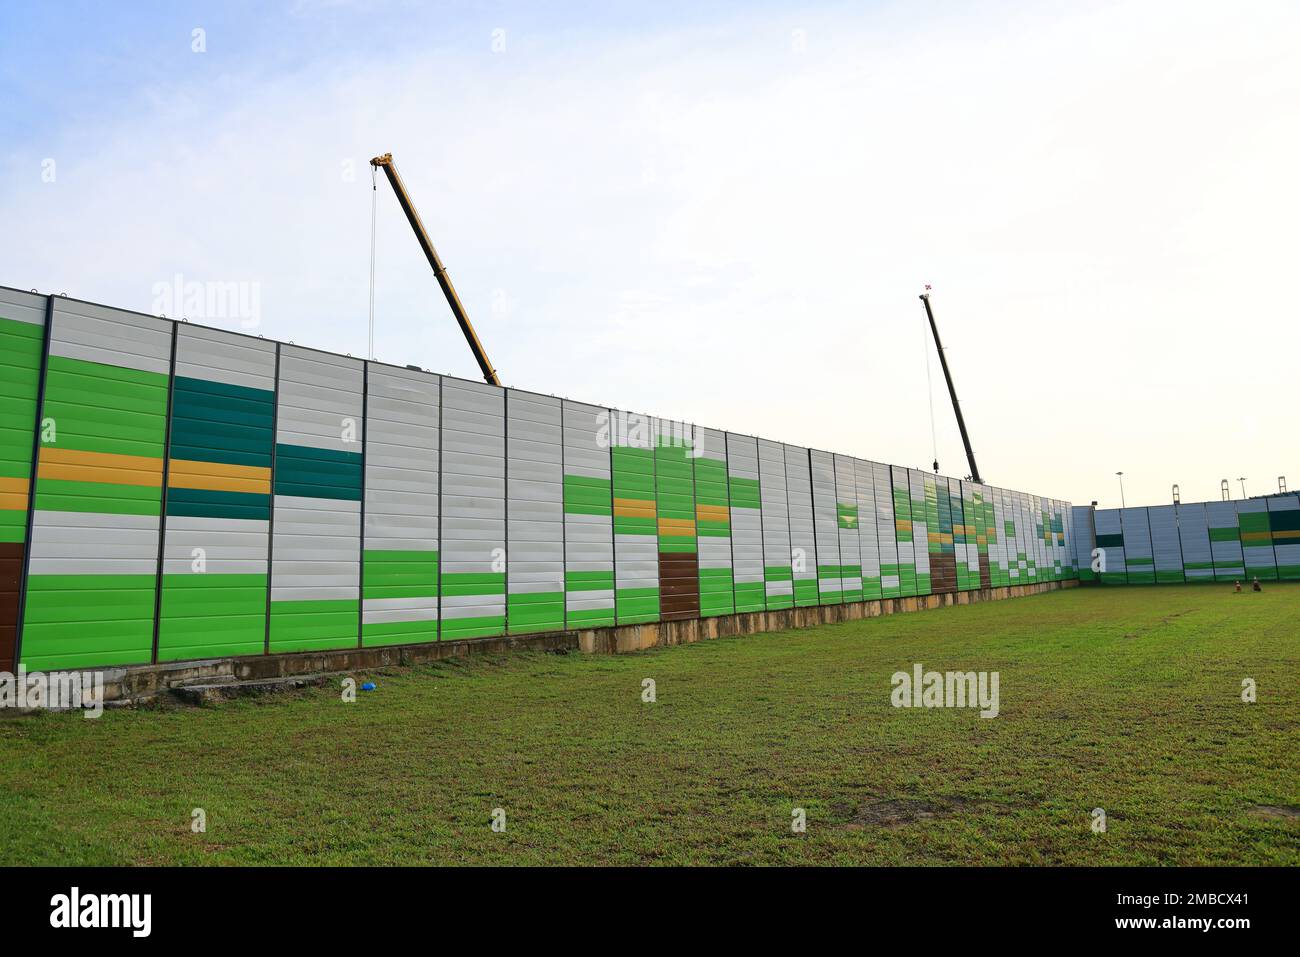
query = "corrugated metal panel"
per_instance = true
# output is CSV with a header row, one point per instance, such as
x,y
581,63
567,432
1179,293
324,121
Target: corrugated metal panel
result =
x,y
1165,546
965,534
1033,535
849,518
1018,567
999,568
1005,550
95,534
1063,545
748,501
636,525
903,531
886,531
777,554
401,553
1017,546
1043,513
960,518
97,334
1111,546
473,552
1194,540
535,513
679,563
992,530
22,346
1059,530
978,529
1256,539
1038,532
923,497
803,538
1082,541
316,516
713,523
588,517
1021,546
217,531
868,529
1047,538
1056,538
1053,547
1042,528
1284,524
1067,542
1225,540
830,588
1139,559
1053,540
1085,541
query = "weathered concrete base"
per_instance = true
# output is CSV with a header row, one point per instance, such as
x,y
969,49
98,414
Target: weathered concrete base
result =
x,y
225,677
214,678
625,638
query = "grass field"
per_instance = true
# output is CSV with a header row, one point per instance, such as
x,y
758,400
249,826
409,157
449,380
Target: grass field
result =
x,y
1128,699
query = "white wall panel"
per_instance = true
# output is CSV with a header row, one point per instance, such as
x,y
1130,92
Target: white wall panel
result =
x,y
917,495
886,530
534,513
474,509
1284,520
849,522
588,517
903,523
1225,540
803,538
778,575
1138,557
401,557
1165,546
868,529
1194,537
826,527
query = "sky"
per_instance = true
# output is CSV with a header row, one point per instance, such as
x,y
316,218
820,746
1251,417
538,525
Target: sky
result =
x,y
719,213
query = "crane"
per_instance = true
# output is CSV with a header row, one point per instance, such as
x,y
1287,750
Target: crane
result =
x,y
386,163
952,392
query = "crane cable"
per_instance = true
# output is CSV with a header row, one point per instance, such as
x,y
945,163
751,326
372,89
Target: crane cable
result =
x,y
374,207
929,389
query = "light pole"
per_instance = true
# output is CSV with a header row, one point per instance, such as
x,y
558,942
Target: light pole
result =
x,y
1122,503
1242,480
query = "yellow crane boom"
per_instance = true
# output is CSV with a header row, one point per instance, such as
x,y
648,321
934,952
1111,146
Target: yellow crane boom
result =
x,y
385,163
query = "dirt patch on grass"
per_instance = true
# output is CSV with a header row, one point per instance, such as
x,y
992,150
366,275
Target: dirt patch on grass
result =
x,y
896,812
1283,812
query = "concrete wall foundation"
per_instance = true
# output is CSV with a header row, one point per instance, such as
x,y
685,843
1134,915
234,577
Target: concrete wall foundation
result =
x,y
140,683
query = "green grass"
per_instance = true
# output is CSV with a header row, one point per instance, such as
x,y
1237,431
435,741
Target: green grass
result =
x,y
1126,699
